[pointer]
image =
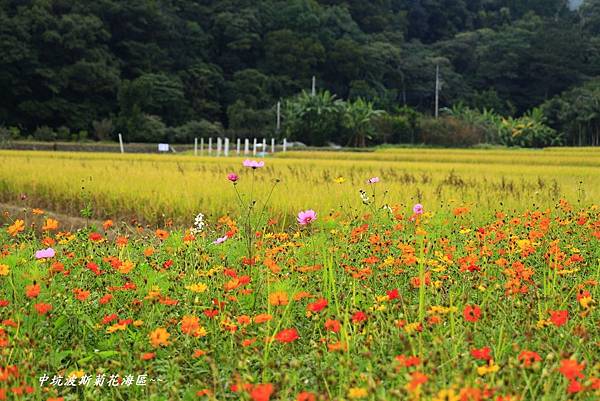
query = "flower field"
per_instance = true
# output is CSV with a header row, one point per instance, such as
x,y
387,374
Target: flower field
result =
x,y
337,280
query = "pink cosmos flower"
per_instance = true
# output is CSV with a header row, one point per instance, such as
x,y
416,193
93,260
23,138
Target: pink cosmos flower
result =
x,y
233,177
253,163
220,240
45,253
306,217
373,180
418,209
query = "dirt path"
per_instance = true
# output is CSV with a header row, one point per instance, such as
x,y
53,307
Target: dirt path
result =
x,y
9,213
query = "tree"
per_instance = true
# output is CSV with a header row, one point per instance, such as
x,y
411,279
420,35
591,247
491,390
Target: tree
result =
x,y
358,119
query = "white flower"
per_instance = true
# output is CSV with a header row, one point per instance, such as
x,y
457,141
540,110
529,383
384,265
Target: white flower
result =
x,y
364,197
198,224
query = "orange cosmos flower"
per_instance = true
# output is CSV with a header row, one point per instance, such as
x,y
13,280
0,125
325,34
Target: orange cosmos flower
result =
x,y
122,241
32,291
190,325
300,295
42,308
147,356
571,370
472,313
306,396
81,295
107,224
332,325
162,234
159,337
416,380
50,225
198,353
287,336
262,318
37,211
17,227
278,298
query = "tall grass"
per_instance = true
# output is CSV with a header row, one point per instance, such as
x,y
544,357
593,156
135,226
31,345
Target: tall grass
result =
x,y
154,188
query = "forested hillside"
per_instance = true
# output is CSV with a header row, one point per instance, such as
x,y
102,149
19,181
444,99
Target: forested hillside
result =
x,y
82,68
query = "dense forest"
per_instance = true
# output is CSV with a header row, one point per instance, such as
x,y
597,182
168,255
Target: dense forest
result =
x,y
174,69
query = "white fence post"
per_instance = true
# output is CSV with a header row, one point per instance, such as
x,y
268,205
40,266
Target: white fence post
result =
x,y
272,145
201,146
237,147
226,151
284,144
246,147
210,146
254,148
121,143
219,146
195,146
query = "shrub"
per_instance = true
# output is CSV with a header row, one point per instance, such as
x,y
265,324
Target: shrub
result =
x,y
44,133
450,131
194,129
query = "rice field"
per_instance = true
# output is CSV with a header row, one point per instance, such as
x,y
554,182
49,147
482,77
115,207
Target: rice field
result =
x,y
433,275
155,188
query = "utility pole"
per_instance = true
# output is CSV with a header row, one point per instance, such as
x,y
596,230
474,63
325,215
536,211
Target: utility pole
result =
x,y
437,90
278,117
314,86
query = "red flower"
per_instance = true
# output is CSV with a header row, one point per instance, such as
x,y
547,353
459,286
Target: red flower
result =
x,y
472,313
261,392
528,358
168,264
105,299
306,396
574,387
483,353
42,308
287,336
93,267
359,317
559,317
318,305
570,369
211,313
393,294
95,237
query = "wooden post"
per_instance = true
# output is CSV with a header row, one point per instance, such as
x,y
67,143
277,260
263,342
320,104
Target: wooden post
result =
x,y
121,143
195,146
246,147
